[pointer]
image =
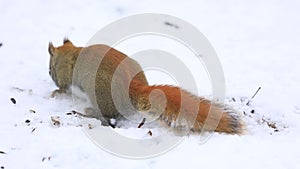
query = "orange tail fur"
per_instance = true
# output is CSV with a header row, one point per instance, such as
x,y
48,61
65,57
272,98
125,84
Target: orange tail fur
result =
x,y
178,107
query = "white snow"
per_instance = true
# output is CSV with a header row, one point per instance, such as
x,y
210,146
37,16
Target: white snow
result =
x,y
257,43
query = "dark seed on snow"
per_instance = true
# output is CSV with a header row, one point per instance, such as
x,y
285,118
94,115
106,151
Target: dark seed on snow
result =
x,y
171,25
33,130
150,132
13,100
252,111
32,111
27,121
142,123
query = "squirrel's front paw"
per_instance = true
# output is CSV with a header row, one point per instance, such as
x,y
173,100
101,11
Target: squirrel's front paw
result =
x,y
57,92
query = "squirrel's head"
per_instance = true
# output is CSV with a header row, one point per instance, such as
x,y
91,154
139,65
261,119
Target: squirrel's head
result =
x,y
62,61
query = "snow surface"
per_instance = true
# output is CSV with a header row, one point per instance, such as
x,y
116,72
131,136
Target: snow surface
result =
x,y
257,43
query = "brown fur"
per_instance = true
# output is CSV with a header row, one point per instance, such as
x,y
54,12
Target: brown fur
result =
x,y
171,104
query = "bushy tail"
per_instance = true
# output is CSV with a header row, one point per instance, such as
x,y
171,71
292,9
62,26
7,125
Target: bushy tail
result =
x,y
178,107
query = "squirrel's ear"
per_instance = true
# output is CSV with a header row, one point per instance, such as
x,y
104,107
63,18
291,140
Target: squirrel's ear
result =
x,y
67,41
51,48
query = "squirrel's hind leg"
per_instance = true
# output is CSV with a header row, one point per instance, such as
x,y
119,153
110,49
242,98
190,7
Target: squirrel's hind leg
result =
x,y
58,92
92,113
